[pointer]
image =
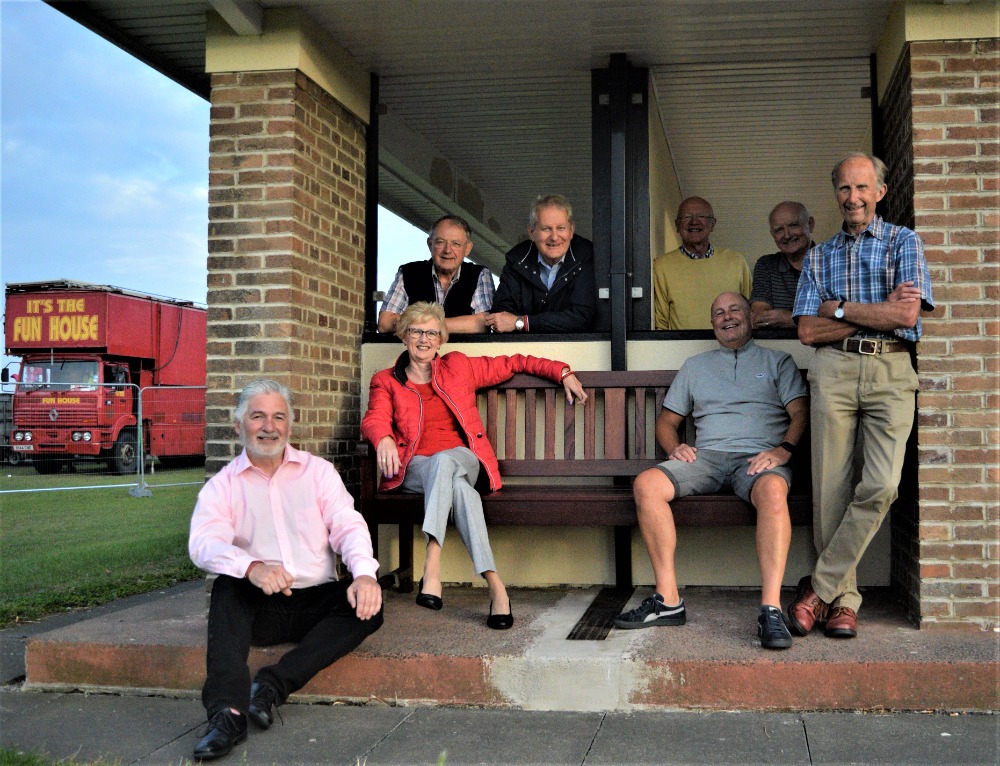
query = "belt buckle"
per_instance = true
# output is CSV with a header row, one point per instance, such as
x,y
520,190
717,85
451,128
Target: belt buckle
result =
x,y
868,346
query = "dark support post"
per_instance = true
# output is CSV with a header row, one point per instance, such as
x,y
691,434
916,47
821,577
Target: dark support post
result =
x,y
618,105
371,207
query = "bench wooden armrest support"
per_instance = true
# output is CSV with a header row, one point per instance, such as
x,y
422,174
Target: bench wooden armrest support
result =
x,y
587,456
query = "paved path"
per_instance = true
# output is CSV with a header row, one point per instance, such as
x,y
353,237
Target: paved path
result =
x,y
159,730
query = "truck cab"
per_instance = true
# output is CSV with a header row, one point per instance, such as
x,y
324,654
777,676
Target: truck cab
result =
x,y
75,407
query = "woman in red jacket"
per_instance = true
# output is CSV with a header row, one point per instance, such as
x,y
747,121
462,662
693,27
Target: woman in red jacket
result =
x,y
428,435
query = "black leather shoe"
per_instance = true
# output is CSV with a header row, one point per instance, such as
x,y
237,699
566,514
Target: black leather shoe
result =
x,y
500,621
226,730
426,599
263,697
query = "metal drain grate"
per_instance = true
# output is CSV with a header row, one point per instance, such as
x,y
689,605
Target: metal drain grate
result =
x,y
596,622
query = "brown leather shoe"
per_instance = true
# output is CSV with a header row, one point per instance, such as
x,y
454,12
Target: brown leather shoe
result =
x,y
842,623
807,609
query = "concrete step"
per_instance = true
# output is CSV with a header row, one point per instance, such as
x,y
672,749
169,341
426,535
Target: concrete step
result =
x,y
451,658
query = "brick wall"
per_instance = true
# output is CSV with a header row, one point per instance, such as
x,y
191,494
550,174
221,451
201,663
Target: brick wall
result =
x,y
286,258
956,169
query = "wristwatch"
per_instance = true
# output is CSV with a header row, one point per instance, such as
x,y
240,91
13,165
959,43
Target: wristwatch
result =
x,y
519,324
839,313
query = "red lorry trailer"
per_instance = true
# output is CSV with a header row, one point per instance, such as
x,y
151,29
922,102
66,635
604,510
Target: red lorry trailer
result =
x,y
86,353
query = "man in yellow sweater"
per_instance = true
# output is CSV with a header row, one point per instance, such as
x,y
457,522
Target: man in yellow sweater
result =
x,y
686,280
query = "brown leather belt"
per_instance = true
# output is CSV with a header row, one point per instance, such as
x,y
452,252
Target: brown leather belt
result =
x,y
872,346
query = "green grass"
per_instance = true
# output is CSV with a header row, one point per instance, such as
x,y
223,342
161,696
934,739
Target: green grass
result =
x,y
11,757
77,548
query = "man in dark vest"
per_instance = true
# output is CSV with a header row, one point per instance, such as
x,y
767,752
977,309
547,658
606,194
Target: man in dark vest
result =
x,y
465,289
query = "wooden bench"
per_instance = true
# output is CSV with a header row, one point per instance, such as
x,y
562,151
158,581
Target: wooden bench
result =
x,y
586,455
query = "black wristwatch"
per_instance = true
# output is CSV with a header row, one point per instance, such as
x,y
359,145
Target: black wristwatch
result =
x,y
839,313
788,447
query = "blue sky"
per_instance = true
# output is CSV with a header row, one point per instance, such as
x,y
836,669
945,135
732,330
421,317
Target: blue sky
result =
x,y
104,174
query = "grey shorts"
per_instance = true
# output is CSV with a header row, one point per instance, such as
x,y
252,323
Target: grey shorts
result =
x,y
714,470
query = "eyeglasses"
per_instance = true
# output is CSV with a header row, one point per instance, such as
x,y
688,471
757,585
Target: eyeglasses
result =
x,y
692,217
413,332
438,244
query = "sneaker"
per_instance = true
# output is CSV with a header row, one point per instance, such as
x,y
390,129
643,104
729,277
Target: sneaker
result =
x,y
771,629
652,613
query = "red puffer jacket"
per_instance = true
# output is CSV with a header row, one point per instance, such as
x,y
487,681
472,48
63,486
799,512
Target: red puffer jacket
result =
x,y
395,408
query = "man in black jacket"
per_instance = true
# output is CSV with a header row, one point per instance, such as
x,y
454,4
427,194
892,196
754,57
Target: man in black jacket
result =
x,y
547,283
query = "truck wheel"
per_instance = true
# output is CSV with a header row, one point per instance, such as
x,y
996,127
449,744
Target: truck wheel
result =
x,y
125,452
48,466
14,458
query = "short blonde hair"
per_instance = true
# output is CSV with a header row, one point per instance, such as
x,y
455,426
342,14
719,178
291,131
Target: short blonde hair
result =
x,y
419,312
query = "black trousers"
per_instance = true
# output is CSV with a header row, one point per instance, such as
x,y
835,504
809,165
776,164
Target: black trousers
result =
x,y
319,619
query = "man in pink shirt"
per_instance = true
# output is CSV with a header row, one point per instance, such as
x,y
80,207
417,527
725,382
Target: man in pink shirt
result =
x,y
271,525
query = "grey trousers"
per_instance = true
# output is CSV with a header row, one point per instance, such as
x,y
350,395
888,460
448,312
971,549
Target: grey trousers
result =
x,y
447,479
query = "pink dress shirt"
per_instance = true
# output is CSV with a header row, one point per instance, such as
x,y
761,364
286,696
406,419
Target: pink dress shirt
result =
x,y
301,518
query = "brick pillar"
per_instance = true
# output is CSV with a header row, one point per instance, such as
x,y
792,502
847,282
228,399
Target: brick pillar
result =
x,y
286,257
955,169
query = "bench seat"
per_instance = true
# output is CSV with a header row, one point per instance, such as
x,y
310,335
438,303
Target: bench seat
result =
x,y
587,465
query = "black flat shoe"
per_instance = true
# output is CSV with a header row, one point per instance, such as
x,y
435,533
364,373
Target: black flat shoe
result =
x,y
225,731
500,621
426,600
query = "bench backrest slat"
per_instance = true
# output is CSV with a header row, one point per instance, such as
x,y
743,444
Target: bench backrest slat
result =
x,y
616,428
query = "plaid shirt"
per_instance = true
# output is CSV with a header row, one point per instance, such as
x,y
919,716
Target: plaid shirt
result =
x,y
865,269
396,299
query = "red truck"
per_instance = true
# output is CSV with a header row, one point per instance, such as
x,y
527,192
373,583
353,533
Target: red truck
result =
x,y
87,351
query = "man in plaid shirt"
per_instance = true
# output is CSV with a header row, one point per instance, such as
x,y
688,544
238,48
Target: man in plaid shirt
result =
x,y
465,289
858,301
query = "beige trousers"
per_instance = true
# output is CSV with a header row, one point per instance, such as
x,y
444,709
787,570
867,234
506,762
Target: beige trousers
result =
x,y
858,402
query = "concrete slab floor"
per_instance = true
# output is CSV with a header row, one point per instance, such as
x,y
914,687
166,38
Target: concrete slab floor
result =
x,y
158,730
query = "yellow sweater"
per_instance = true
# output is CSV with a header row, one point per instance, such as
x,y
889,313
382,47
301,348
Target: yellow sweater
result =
x,y
684,288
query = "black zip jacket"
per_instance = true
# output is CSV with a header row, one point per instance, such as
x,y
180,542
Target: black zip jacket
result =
x,y
571,305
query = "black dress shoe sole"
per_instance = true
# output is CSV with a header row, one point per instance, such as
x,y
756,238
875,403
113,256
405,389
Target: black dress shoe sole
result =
x,y
794,626
840,633
500,621
211,755
428,601
260,720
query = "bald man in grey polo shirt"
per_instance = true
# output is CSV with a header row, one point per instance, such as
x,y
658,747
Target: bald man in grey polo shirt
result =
x,y
750,410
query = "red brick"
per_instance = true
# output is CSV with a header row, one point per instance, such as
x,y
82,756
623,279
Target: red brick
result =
x,y
928,571
930,202
927,98
971,571
935,133
973,237
976,201
976,456
937,184
934,219
978,608
969,310
970,65
936,532
934,116
918,65
948,292
977,132
974,98
974,167
932,551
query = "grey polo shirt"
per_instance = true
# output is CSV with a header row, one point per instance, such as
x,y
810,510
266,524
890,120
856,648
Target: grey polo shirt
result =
x,y
737,398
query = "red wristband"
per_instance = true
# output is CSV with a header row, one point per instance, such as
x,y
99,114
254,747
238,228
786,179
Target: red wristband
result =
x,y
567,371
